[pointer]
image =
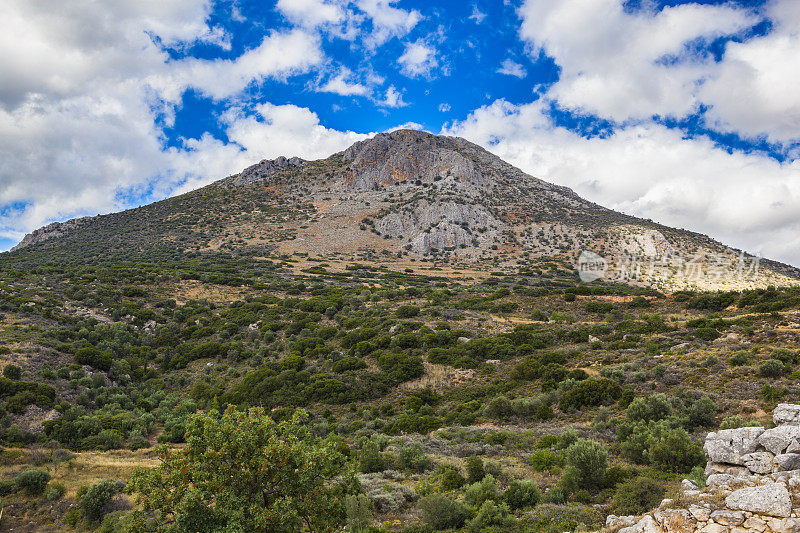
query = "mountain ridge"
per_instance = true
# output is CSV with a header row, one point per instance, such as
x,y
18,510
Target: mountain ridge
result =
x,y
403,194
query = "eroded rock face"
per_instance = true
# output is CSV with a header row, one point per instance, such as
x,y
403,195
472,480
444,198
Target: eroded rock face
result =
x,y
51,231
778,439
786,414
402,156
729,445
264,169
770,499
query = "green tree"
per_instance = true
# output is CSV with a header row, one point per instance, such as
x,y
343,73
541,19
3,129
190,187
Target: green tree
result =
x,y
244,471
585,462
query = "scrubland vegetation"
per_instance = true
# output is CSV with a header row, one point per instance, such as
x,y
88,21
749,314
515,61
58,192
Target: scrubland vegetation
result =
x,y
232,393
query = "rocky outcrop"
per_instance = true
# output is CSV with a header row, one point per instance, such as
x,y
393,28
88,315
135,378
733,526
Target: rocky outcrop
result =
x,y
51,231
406,156
262,170
755,471
770,498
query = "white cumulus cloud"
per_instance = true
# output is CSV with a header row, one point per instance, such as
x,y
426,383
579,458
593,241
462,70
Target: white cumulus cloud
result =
x,y
512,68
418,59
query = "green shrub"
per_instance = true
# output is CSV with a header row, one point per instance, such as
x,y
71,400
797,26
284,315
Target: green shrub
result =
x,y
698,476
7,486
637,496
545,460
412,459
93,502
585,465
590,393
706,334
522,494
771,368
654,407
659,445
499,407
567,439
32,481
450,478
554,495
54,491
360,511
740,358
475,469
738,421
407,311
784,355
440,512
370,458
89,355
12,371
481,491
492,517
401,366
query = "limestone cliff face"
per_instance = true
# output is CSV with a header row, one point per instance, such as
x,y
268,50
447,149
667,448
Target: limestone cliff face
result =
x,y
51,231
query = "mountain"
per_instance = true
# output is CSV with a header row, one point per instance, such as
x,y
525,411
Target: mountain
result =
x,y
403,196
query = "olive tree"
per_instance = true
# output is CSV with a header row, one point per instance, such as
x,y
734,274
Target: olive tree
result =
x,y
243,471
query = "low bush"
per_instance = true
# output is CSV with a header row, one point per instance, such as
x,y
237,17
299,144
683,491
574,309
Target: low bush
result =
x,y
440,512
93,501
590,393
585,465
522,494
771,368
32,481
475,469
481,491
450,478
637,496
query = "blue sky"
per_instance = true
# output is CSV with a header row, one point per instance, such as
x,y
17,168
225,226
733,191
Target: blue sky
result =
x,y
683,112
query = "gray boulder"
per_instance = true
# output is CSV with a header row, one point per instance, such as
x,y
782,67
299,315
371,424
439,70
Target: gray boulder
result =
x,y
778,439
729,445
788,461
786,413
770,499
758,462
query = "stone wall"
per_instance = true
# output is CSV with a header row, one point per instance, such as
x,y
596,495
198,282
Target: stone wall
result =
x,y
753,470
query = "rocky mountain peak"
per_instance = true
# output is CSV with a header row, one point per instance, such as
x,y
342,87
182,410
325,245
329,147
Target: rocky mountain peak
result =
x,y
407,156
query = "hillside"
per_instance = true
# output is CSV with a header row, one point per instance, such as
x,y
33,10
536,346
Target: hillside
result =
x,y
401,196
314,345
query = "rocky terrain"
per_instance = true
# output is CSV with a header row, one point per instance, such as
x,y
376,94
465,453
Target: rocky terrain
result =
x,y
753,485
409,194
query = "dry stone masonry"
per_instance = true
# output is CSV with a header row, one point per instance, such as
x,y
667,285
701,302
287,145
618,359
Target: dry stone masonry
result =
x,y
753,485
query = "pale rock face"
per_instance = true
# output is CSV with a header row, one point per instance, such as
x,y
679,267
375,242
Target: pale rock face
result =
x,y
754,523
778,439
675,520
729,445
786,413
714,528
728,518
264,169
701,514
759,462
647,524
771,499
788,461
613,521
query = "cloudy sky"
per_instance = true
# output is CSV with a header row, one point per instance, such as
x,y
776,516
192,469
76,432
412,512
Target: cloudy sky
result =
x,y
687,113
